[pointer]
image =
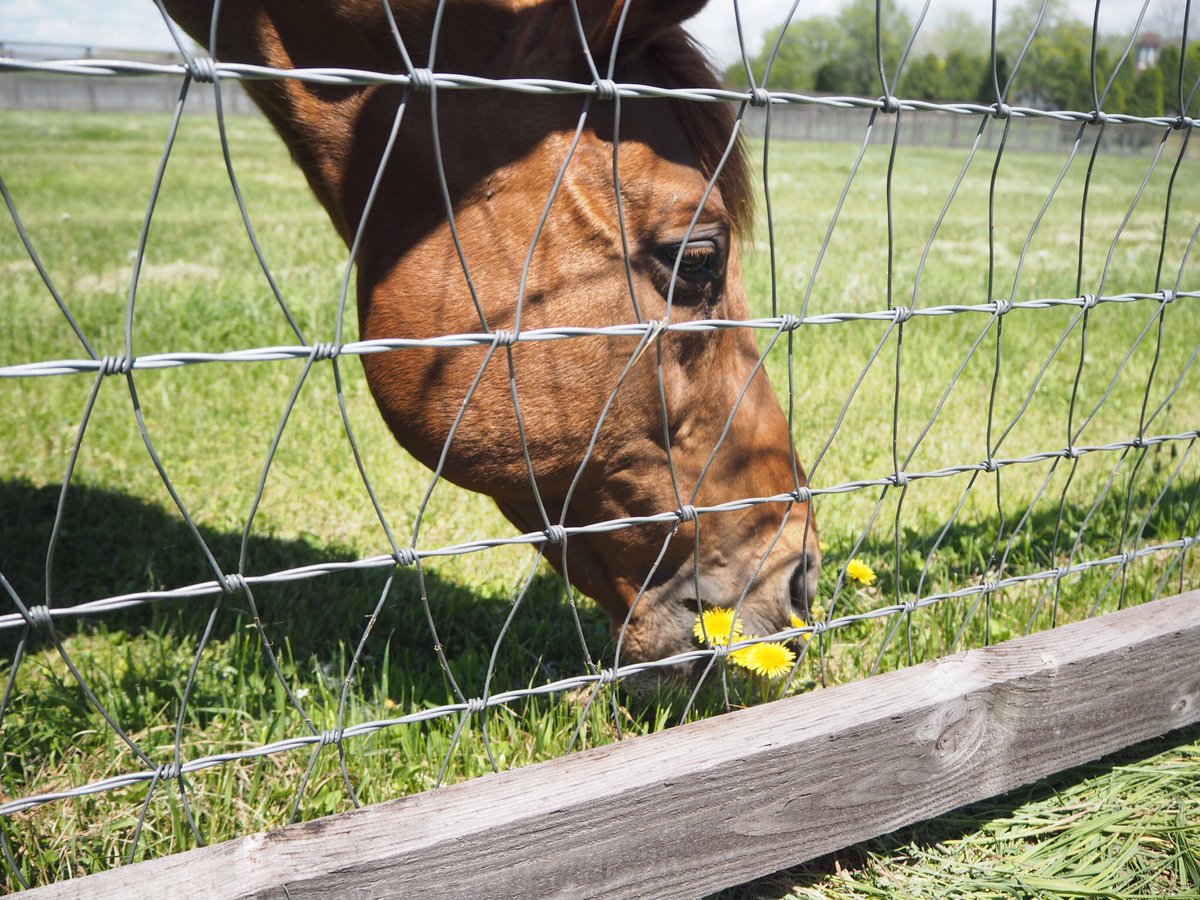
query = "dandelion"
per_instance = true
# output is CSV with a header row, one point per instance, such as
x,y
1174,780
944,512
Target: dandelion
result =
x,y
817,613
770,659
798,622
717,625
859,571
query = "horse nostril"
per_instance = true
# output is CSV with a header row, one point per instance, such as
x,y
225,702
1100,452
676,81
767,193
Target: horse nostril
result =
x,y
803,584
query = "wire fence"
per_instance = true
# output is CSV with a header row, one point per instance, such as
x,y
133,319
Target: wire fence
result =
x,y
1125,532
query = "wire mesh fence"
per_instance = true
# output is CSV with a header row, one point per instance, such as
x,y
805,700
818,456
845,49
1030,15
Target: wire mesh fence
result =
x,y
985,359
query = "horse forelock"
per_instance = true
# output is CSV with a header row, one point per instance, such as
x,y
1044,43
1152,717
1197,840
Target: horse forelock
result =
x,y
680,63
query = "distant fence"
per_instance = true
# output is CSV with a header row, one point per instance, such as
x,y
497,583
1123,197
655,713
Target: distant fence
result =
x,y
1155,535
35,90
152,94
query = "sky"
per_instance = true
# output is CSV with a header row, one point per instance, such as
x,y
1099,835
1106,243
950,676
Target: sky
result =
x,y
135,24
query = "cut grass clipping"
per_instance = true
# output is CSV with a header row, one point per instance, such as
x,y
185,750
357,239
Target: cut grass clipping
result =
x,y
81,184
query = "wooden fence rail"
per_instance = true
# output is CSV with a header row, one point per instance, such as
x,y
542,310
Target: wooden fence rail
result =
x,y
719,802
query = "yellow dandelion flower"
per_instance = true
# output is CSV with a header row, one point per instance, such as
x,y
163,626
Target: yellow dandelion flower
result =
x,y
859,571
771,659
715,625
798,622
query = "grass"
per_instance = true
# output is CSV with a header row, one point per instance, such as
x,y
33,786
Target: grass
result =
x,y
1125,826
82,183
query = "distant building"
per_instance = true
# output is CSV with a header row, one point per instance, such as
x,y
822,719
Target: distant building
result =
x,y
1148,46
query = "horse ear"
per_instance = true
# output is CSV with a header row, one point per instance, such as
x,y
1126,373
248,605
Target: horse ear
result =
x,y
643,19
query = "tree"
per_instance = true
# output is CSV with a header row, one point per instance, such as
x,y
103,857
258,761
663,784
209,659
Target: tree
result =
x,y
1147,97
957,30
1056,70
964,73
833,54
924,78
805,44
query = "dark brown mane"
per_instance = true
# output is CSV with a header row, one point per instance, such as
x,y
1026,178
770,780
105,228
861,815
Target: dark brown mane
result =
x,y
682,64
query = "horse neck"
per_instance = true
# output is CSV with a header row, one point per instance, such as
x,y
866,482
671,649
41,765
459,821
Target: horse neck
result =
x,y
321,123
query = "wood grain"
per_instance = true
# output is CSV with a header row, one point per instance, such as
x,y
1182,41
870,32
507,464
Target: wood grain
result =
x,y
716,803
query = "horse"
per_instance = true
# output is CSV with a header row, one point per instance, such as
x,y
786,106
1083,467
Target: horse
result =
x,y
652,201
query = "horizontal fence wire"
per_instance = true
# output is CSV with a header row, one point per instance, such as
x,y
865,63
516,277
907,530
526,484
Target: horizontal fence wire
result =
x,y
1138,449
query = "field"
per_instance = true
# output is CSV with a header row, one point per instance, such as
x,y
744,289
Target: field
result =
x,y
81,185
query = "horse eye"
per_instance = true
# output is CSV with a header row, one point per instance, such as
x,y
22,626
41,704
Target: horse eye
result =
x,y
698,267
694,258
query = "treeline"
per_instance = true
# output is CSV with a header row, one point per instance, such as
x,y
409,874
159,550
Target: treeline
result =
x,y
952,61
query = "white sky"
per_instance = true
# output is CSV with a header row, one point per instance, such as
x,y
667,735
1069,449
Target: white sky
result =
x,y
135,24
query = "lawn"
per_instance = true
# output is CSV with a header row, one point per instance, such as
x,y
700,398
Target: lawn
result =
x,y
82,184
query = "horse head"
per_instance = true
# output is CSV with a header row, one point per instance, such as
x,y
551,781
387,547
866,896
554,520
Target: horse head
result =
x,y
504,212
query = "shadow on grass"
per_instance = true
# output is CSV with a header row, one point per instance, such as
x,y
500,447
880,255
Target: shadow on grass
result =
x,y
113,544
957,825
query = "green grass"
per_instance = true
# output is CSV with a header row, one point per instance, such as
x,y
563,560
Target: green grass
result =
x,y
82,183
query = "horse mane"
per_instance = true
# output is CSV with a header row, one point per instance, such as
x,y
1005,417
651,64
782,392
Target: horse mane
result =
x,y
682,64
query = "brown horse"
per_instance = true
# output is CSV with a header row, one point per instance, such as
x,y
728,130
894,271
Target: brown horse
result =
x,y
603,256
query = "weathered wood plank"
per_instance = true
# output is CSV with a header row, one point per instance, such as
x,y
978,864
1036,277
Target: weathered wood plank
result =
x,y
715,803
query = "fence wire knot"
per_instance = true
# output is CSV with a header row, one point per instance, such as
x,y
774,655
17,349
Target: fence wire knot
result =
x,y
39,616
1186,542
1001,110
405,556
899,479
202,69
1182,122
1098,117
1138,443
788,322
332,736
990,465
232,584
989,587
421,80
325,351
1062,572
889,104
686,513
719,651
116,365
910,607
606,89
1168,296
606,676
1072,452
901,314
502,337
1089,301
1127,557
168,771
476,705
818,627
1003,306
802,495
760,97
555,534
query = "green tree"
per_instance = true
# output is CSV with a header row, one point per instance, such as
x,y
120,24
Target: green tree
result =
x,y
958,29
1147,97
1056,71
833,54
924,78
965,71
805,44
